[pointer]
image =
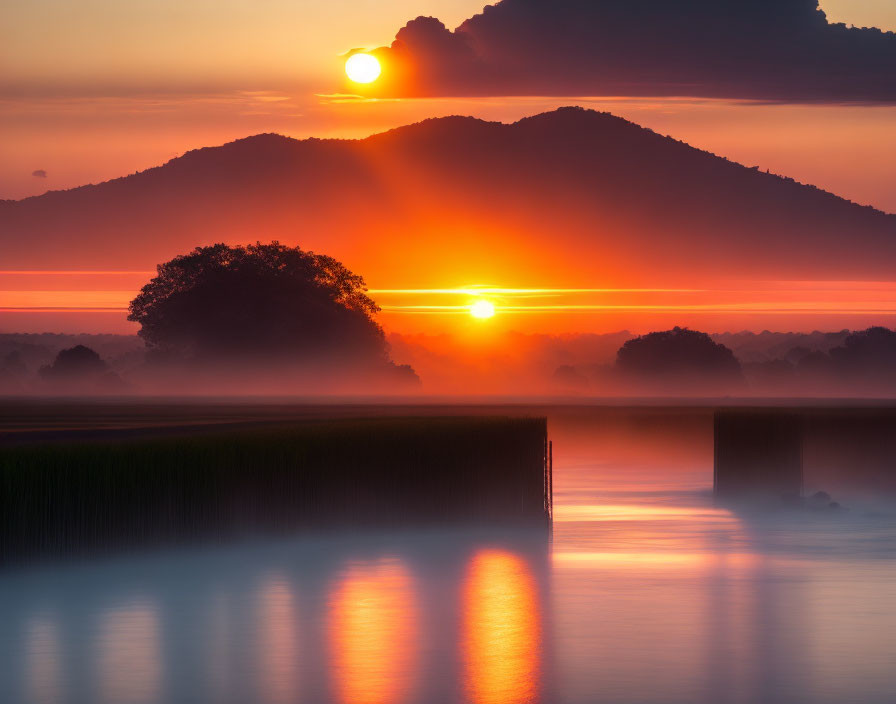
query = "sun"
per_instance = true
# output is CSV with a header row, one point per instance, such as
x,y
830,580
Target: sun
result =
x,y
362,68
482,309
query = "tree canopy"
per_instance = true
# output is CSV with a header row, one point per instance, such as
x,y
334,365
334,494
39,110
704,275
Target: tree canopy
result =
x,y
260,308
75,364
80,369
677,352
870,352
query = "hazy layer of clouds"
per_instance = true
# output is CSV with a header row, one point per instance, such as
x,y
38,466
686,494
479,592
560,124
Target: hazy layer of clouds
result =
x,y
779,50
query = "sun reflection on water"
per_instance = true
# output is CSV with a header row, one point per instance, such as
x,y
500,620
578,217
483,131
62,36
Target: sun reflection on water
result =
x,y
502,631
631,512
373,628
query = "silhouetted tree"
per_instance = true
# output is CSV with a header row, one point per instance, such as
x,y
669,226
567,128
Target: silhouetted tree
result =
x,y
80,369
869,353
678,353
260,304
76,363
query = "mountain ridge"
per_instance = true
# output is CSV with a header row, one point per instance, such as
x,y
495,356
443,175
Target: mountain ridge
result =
x,y
403,129
581,173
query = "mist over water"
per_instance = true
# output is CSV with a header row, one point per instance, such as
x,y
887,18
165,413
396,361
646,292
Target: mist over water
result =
x,y
648,592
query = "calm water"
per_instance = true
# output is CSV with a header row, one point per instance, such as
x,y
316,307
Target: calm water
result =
x,y
648,593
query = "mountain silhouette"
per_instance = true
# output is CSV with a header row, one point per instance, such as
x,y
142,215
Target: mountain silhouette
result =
x,y
571,191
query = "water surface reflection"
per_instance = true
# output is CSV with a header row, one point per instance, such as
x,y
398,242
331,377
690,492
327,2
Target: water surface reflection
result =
x,y
277,642
128,659
648,594
502,631
373,631
43,653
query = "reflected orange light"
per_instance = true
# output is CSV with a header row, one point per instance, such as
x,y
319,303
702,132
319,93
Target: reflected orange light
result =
x,y
277,643
501,630
129,666
694,538
373,630
612,512
653,559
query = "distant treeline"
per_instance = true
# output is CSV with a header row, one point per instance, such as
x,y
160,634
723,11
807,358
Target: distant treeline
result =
x,y
36,350
689,362
772,363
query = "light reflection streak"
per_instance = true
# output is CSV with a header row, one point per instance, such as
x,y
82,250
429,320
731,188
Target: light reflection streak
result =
x,y
502,631
72,272
649,558
42,651
611,512
373,629
681,548
220,634
482,290
826,308
765,298
129,662
277,643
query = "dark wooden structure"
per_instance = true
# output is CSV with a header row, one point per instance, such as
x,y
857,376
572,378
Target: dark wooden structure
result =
x,y
108,489
758,456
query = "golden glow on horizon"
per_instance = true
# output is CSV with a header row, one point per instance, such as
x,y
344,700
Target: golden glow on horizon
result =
x,y
482,309
482,290
821,298
732,309
38,301
362,68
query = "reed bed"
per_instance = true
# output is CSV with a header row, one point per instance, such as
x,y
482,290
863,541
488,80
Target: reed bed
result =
x,y
117,490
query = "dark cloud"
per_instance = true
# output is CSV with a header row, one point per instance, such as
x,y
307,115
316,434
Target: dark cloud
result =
x,y
39,173
745,49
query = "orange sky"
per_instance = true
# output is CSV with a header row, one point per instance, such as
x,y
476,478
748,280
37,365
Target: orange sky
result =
x,y
92,301
173,44
99,89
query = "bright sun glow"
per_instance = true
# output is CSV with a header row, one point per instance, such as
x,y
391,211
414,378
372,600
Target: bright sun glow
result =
x,y
482,309
362,68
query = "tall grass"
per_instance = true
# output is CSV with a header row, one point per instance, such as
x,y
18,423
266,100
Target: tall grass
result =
x,y
118,490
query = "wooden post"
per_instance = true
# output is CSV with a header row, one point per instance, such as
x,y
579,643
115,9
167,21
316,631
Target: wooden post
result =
x,y
548,479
